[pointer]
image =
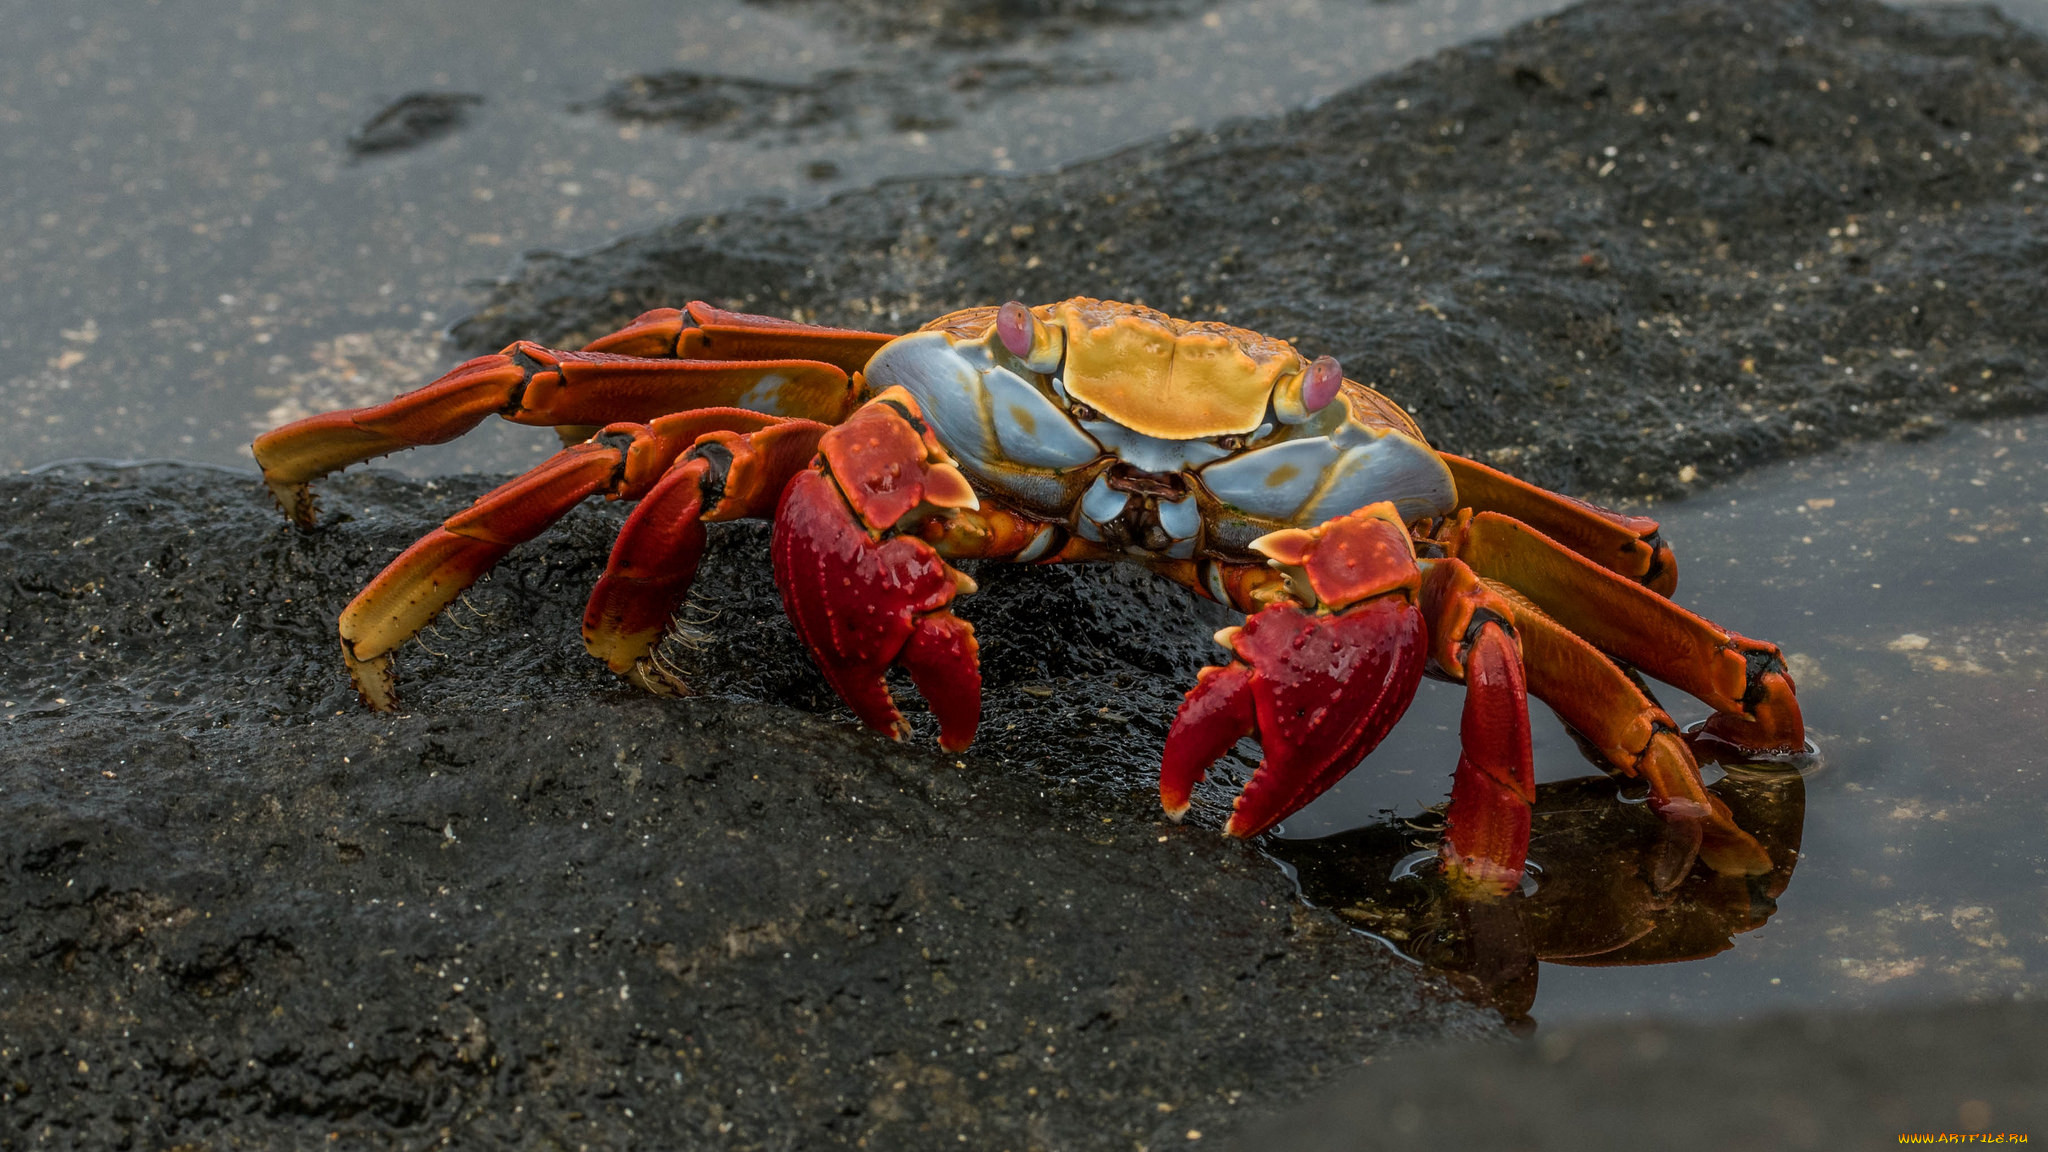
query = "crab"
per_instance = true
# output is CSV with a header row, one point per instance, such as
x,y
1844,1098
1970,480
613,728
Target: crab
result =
x,y
1089,430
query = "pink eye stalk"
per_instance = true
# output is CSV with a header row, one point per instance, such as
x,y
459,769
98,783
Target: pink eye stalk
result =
x,y
1014,324
1038,344
1324,377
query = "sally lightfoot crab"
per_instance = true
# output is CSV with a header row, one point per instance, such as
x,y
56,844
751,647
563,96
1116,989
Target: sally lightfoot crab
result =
x,y
1078,431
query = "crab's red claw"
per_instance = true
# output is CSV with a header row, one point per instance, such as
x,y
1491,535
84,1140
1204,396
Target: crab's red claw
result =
x,y
1216,714
862,604
944,663
1319,690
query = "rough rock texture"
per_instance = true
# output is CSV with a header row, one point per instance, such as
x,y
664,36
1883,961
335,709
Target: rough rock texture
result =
x,y
1623,249
543,909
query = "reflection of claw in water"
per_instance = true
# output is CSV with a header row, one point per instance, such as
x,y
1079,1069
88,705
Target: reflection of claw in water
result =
x,y
1598,902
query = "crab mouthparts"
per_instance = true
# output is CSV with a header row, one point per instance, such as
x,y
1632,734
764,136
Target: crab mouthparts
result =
x,y
1170,486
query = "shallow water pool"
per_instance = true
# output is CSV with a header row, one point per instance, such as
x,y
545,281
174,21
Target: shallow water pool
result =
x,y
1908,585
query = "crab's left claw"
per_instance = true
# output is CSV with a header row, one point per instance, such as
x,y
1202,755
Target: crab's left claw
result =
x,y
1320,687
862,595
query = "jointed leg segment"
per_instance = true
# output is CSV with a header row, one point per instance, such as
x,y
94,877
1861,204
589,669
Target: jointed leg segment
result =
x,y
1628,546
1597,700
725,359
1743,680
672,457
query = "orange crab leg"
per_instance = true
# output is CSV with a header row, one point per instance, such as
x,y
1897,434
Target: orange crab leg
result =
x,y
1601,704
1745,681
529,384
727,359
698,331
1473,641
1487,842
1626,545
623,462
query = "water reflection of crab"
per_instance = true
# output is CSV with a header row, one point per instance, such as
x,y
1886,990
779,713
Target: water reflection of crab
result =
x,y
1089,430
1611,886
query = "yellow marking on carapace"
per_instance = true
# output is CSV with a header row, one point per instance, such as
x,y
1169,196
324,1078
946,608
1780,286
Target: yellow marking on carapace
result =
x,y
1168,378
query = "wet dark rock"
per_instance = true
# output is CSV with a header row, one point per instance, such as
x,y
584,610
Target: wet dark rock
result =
x,y
843,102
412,120
1625,249
540,907
978,22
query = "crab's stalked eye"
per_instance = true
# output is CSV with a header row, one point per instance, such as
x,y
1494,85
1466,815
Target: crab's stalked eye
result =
x,y
1080,411
1309,391
1324,376
1230,443
1014,324
1038,344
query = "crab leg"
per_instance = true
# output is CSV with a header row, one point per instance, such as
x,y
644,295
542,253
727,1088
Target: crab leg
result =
x,y
1600,703
725,475
699,331
1319,686
1473,641
862,590
727,359
1628,546
623,462
1745,681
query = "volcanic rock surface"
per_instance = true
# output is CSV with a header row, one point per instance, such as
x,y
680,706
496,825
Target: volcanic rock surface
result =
x,y
541,908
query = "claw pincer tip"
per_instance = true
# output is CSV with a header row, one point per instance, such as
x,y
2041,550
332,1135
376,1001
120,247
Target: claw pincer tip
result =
x,y
1319,691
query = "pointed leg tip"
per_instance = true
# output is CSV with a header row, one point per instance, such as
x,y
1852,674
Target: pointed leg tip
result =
x,y
1478,876
1242,827
374,680
1176,810
297,504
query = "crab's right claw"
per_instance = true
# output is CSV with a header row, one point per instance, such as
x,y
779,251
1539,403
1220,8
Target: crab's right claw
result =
x,y
1319,688
1319,691
862,599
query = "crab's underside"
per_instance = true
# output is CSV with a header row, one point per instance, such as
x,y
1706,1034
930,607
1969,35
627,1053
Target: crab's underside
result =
x,y
1081,431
